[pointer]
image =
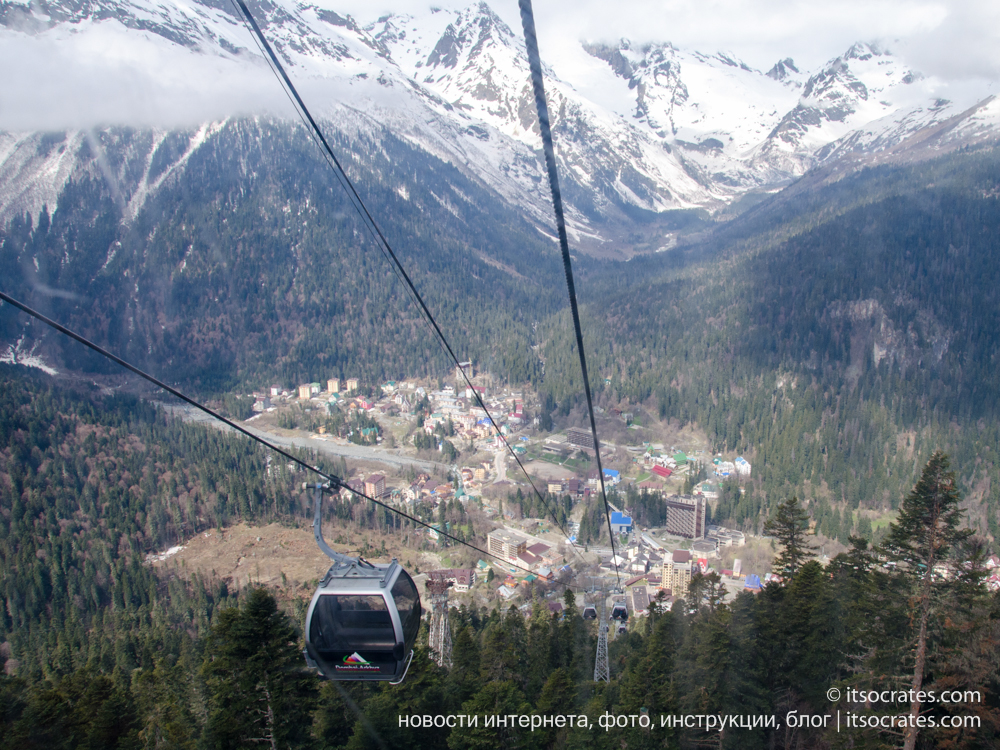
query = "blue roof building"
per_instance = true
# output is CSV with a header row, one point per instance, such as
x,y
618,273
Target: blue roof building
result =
x,y
620,523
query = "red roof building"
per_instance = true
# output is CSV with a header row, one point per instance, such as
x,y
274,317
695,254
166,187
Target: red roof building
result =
x,y
538,549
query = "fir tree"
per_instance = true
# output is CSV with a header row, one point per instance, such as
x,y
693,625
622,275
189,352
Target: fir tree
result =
x,y
259,690
495,699
923,535
790,526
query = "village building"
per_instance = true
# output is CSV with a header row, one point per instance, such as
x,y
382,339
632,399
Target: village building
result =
x,y
662,471
353,486
686,516
710,490
640,600
375,485
505,545
677,573
527,559
705,548
548,555
724,537
462,579
620,523
580,438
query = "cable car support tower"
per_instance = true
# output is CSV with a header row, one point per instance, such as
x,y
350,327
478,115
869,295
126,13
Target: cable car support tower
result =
x,y
439,638
602,671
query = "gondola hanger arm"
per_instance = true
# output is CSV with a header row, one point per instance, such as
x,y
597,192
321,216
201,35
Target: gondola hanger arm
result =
x,y
318,490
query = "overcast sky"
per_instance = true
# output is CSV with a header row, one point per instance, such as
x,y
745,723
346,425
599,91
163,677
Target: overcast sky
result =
x,y
950,38
110,75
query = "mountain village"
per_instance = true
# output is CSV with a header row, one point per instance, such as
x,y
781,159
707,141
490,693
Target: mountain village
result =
x,y
532,556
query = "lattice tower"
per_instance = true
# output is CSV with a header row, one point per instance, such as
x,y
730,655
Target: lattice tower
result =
x,y
601,669
439,638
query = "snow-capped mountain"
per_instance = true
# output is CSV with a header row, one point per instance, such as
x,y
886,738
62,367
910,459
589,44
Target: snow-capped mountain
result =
x,y
647,129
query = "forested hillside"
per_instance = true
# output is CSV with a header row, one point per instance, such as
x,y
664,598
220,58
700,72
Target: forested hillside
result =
x,y
836,333
101,653
90,487
253,266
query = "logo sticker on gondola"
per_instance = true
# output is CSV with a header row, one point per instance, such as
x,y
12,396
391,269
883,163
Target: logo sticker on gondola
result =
x,y
357,663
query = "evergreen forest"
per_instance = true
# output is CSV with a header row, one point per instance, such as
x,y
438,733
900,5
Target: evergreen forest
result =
x,y
840,334
835,333
102,651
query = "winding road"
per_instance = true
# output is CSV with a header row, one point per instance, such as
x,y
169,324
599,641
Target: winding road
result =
x,y
326,445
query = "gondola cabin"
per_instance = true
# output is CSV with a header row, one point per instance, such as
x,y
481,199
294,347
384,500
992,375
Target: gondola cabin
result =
x,y
364,618
619,612
589,612
362,622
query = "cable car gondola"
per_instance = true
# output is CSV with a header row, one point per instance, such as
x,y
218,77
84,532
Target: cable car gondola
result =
x,y
364,617
590,612
619,612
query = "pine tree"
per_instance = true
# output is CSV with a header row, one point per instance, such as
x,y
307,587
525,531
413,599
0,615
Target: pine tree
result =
x,y
163,695
539,666
464,673
924,535
498,699
558,696
706,590
259,690
790,526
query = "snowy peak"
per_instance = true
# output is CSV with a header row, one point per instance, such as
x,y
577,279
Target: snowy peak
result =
x,y
473,34
613,56
786,72
866,84
653,73
651,127
470,59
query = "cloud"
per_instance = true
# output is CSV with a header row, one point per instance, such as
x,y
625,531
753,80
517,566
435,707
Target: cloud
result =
x,y
96,73
949,38
109,75
964,44
760,33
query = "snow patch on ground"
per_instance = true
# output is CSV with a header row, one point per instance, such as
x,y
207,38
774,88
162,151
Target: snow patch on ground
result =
x,y
151,558
15,356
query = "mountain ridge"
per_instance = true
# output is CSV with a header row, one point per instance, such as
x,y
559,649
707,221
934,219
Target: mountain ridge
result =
x,y
664,129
